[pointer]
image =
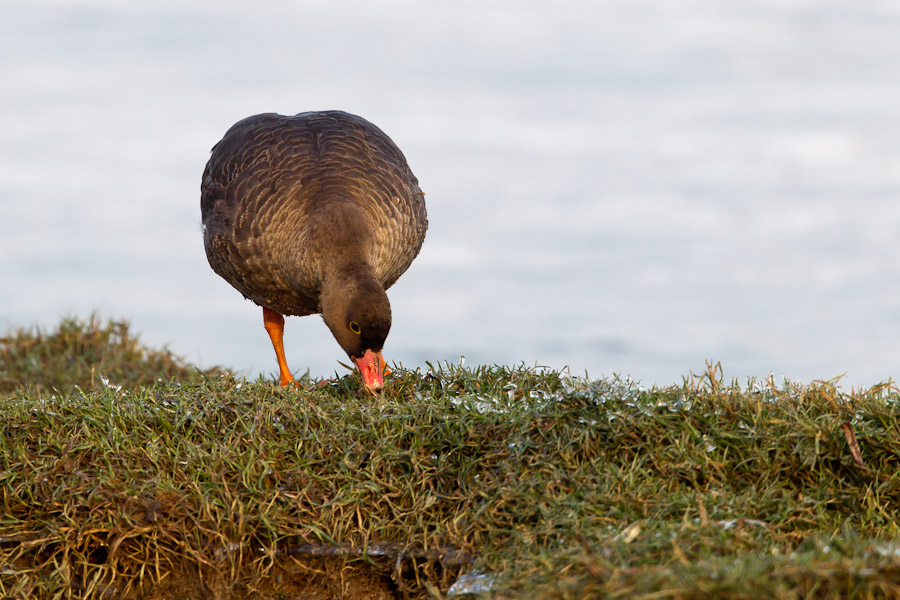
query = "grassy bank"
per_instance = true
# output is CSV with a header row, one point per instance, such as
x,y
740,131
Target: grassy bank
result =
x,y
126,473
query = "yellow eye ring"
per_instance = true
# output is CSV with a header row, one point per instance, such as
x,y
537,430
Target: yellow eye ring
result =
x,y
354,327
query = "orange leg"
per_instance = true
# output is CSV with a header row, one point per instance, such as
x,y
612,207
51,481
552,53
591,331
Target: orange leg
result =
x,y
274,323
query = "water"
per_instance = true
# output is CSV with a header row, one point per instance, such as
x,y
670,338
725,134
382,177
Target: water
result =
x,y
634,186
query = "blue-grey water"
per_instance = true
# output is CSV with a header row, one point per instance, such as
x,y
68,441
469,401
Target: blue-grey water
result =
x,y
629,186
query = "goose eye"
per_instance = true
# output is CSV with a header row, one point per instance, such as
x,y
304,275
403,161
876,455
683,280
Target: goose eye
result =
x,y
354,327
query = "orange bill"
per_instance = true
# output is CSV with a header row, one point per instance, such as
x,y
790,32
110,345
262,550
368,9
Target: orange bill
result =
x,y
371,367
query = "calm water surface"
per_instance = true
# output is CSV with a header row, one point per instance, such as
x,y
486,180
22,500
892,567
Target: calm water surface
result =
x,y
634,186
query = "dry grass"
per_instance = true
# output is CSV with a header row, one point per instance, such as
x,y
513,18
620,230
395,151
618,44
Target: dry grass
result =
x,y
550,485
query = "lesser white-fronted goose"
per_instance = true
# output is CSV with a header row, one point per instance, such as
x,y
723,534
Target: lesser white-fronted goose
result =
x,y
314,213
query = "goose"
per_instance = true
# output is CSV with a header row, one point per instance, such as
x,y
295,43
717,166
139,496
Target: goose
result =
x,y
316,213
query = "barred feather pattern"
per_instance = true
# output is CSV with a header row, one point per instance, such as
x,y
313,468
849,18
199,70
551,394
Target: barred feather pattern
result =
x,y
271,177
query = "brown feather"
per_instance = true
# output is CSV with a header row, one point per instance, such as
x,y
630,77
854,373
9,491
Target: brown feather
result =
x,y
288,202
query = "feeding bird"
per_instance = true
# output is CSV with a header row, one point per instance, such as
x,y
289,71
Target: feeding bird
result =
x,y
314,213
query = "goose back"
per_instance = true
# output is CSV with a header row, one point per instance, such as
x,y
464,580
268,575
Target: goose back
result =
x,y
282,196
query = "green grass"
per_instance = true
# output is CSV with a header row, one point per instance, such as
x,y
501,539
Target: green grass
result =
x,y
82,353
549,485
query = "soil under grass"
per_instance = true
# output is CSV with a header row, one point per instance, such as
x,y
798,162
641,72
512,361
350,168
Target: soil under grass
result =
x,y
125,473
